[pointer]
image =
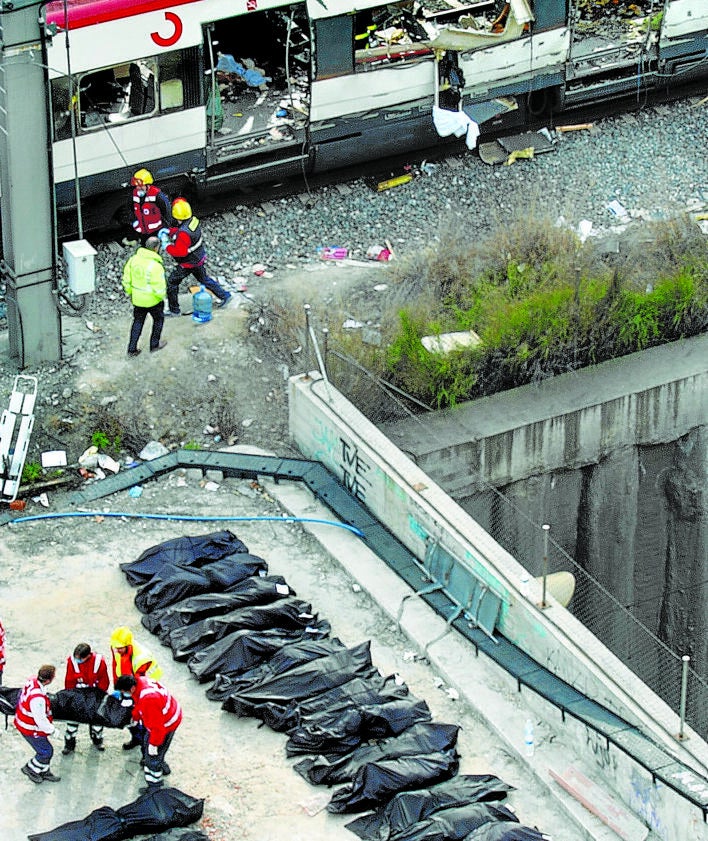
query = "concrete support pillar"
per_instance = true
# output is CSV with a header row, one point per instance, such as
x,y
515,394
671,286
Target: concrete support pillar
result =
x,y
25,180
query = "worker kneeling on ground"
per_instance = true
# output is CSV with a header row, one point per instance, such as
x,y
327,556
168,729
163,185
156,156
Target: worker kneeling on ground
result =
x,y
159,714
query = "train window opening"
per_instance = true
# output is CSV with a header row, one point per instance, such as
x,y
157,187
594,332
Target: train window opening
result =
x,y
117,94
390,34
260,94
171,76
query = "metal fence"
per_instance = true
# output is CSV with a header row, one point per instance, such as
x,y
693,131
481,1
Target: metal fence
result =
x,y
612,622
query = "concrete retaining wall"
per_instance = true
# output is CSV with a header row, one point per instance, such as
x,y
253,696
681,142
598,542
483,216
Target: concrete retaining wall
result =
x,y
644,399
615,458
326,427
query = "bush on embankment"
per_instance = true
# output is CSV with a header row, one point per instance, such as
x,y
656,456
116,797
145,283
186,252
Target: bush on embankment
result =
x,y
542,304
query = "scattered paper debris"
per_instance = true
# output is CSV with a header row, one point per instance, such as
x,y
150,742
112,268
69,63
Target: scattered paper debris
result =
x,y
54,458
107,463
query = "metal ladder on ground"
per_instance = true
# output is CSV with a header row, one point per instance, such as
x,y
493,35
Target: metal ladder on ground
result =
x,y
15,429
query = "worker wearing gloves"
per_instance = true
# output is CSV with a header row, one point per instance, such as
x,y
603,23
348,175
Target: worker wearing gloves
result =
x,y
85,668
33,718
159,714
187,247
132,659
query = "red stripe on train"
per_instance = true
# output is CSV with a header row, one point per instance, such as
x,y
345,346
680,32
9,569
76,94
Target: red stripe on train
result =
x,y
90,12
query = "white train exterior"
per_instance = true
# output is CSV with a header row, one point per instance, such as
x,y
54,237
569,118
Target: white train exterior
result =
x,y
218,94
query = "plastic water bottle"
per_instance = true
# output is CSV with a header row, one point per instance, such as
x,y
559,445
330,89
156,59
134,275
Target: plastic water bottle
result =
x,y
201,306
528,738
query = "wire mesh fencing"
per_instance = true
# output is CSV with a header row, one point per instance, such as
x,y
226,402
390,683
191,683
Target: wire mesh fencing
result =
x,y
628,638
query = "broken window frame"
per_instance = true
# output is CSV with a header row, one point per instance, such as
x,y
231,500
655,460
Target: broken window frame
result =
x,y
124,96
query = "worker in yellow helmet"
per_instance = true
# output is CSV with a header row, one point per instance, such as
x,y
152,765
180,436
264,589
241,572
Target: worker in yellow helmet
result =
x,y
151,206
187,247
131,658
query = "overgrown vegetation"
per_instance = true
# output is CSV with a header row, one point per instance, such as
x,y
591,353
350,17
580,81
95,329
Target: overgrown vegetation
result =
x,y
542,302
31,472
114,431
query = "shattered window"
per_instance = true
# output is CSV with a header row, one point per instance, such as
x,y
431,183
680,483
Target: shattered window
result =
x,y
117,94
389,34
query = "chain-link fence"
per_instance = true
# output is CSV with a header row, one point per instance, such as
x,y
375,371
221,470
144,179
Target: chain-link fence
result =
x,y
611,621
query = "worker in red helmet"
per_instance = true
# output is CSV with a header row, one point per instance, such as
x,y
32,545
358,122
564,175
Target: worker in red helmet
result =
x,y
151,206
187,247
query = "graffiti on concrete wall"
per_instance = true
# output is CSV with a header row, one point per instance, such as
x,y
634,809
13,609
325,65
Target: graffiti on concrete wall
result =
x,y
604,757
354,470
644,797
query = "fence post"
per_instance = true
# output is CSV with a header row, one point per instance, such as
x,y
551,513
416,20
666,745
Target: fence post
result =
x,y
307,308
546,528
325,347
684,687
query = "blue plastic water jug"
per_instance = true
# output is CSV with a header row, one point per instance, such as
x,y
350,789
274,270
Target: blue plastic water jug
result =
x,y
201,306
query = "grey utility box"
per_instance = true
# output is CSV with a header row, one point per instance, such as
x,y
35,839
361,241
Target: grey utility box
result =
x,y
80,270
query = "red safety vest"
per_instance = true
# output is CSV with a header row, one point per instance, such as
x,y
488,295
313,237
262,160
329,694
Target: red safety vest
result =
x,y
148,216
92,672
188,245
24,720
158,711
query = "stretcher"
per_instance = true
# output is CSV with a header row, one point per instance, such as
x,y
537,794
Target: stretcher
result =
x,y
15,429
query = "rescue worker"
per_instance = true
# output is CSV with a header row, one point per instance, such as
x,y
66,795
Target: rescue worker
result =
x,y
150,205
133,660
187,247
159,715
33,718
85,668
144,283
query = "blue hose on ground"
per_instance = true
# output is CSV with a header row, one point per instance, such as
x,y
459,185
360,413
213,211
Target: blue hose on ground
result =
x,y
189,518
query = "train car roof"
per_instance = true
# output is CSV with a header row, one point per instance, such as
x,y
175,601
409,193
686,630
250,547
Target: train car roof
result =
x,y
89,12
81,13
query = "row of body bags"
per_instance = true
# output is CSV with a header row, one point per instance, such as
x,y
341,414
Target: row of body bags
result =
x,y
268,655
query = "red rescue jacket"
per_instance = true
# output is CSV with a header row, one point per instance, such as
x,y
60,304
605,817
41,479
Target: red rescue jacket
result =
x,y
188,244
24,720
151,210
157,710
92,672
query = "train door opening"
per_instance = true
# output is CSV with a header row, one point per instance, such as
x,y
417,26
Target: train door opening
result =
x,y
258,77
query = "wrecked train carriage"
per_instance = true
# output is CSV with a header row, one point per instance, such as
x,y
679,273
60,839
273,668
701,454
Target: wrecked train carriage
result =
x,y
213,95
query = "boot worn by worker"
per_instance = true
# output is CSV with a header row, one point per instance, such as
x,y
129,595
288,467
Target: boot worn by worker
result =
x,y
133,743
97,743
33,775
165,769
48,777
150,787
69,745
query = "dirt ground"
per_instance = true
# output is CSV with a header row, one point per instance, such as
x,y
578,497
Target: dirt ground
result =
x,y
179,395
61,584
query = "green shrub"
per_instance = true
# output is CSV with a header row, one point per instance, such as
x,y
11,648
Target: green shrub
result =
x,y
31,472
